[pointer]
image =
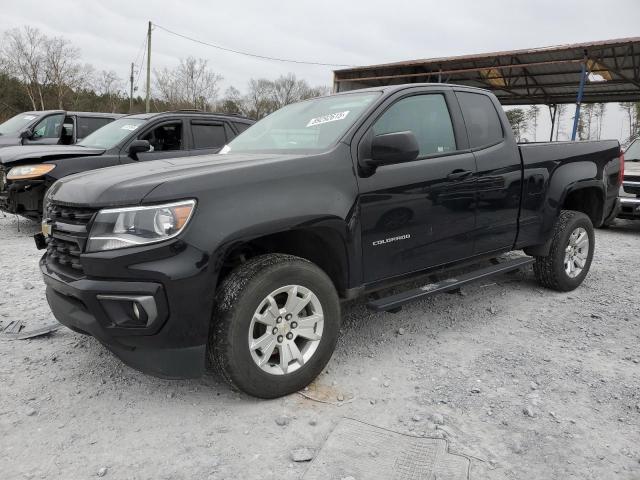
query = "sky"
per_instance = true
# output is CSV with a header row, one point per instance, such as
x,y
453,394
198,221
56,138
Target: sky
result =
x,y
110,33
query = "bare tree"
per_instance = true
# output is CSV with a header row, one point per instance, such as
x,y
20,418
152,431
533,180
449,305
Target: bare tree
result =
x,y
259,98
109,85
585,121
562,108
518,120
233,102
23,53
532,118
632,112
599,110
191,84
63,70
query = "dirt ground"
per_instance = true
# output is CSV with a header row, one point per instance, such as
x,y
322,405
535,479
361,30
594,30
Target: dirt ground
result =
x,y
532,383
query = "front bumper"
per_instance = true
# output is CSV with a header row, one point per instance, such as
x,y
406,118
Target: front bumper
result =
x,y
629,208
169,338
23,198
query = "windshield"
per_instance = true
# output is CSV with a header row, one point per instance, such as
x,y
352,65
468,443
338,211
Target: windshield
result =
x,y
112,134
306,126
633,152
16,124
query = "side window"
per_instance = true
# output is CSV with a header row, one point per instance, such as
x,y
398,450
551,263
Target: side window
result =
x,y
49,127
427,116
241,127
481,119
87,125
208,135
165,137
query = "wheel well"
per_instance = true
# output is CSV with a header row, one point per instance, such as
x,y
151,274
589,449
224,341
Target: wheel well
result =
x,y
588,201
324,247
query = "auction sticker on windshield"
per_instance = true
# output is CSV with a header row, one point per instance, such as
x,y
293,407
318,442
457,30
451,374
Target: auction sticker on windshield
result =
x,y
333,117
129,127
28,117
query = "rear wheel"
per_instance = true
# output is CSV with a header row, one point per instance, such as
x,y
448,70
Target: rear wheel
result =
x,y
570,255
275,326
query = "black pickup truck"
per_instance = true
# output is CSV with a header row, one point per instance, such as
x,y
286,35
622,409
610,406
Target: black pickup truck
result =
x,y
243,257
27,172
51,127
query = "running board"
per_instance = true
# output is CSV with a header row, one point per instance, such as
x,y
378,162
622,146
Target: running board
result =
x,y
394,302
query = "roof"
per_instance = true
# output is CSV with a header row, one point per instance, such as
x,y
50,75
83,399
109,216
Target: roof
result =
x,y
547,75
192,112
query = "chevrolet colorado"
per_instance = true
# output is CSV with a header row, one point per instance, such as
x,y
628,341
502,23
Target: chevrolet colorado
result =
x,y
27,172
242,258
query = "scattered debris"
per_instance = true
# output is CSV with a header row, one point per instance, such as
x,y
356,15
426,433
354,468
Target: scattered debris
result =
x,y
102,472
529,411
13,328
337,404
401,331
302,454
437,418
282,420
14,331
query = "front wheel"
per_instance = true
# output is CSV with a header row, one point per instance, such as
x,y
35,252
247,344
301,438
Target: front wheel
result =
x,y
569,258
275,325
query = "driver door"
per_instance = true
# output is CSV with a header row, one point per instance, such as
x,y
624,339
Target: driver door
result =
x,y
167,140
47,131
419,214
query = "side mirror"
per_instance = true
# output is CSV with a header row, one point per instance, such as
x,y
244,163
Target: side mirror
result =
x,y
397,147
386,149
139,146
25,134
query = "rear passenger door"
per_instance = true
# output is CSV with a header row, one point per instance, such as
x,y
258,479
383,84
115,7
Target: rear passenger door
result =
x,y
87,125
209,136
499,173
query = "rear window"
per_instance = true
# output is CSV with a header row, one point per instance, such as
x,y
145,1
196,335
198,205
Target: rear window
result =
x,y
481,119
208,135
88,125
241,127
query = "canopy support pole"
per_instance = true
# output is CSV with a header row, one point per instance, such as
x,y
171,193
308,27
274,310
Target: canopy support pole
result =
x,y
553,109
576,118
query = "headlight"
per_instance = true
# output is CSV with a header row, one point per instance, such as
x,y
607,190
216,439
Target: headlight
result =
x,y
129,227
24,172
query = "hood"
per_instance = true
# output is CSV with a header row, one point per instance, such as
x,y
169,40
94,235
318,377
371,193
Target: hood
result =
x,y
9,140
130,184
42,153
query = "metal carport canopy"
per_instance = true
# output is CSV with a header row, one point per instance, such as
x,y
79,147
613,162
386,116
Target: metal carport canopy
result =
x,y
549,75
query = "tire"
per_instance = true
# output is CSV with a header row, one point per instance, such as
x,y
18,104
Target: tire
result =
x,y
247,298
551,270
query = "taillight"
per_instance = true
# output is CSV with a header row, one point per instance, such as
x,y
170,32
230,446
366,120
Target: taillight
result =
x,y
621,174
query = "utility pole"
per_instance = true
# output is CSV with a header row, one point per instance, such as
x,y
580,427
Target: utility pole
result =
x,y
148,99
131,90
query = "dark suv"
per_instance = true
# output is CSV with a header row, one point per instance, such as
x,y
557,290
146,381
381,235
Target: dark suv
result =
x,y
52,127
27,172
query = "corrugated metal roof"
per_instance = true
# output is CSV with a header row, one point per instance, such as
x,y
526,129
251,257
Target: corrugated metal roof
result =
x,y
541,75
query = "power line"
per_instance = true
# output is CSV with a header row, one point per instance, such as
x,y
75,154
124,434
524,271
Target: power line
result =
x,y
144,54
248,54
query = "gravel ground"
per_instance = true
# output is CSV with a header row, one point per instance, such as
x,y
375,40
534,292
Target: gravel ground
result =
x,y
532,383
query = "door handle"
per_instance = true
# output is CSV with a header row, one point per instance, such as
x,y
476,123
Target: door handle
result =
x,y
459,174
